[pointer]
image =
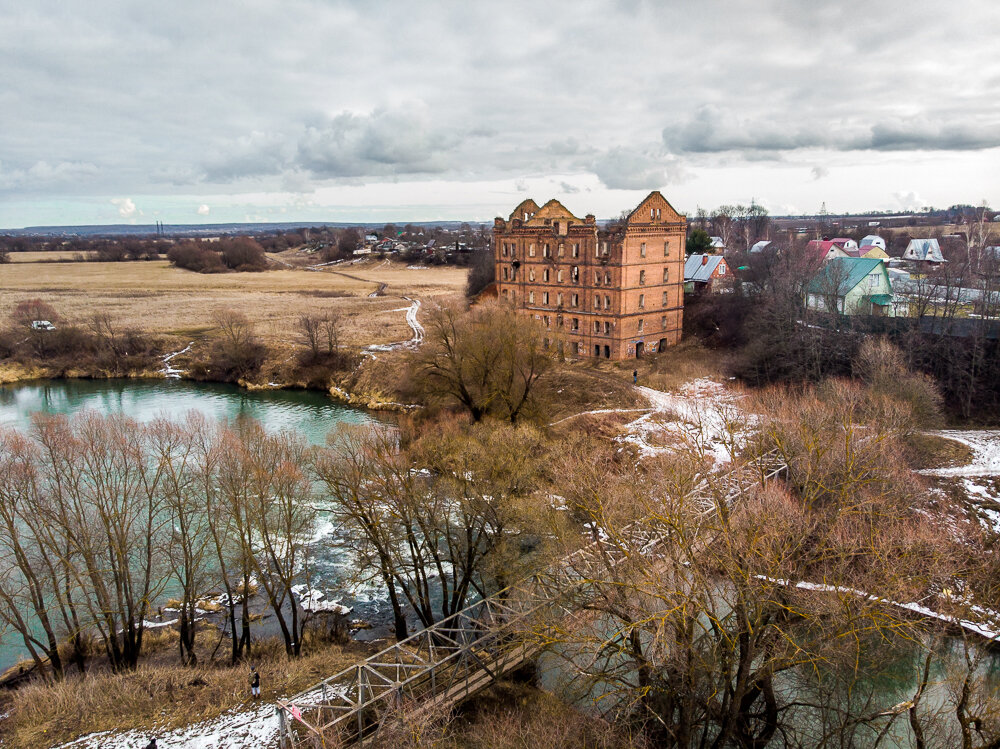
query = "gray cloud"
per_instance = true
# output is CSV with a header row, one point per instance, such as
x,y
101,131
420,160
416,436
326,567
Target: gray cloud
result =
x,y
42,175
106,98
385,142
819,172
623,168
713,130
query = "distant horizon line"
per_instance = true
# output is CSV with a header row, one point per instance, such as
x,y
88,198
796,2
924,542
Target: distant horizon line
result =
x,y
154,228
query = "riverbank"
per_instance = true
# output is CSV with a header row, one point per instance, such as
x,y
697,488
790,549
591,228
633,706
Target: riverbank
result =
x,y
352,388
162,695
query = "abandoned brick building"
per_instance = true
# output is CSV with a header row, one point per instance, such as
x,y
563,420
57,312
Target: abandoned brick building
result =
x,y
614,292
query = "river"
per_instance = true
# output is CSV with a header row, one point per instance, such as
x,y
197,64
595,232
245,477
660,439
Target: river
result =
x,y
311,413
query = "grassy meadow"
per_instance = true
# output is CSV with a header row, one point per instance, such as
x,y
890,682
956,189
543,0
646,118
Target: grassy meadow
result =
x,y
157,298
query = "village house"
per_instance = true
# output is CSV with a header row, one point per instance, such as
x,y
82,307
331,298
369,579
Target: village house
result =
x,y
612,292
845,243
707,273
854,286
824,250
873,240
924,251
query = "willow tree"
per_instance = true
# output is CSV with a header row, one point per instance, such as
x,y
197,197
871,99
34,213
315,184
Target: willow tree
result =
x,y
486,360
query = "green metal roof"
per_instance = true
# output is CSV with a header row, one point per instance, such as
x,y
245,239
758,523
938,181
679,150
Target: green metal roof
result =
x,y
846,272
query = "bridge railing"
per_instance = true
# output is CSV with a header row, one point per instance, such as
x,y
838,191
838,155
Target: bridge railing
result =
x,y
464,652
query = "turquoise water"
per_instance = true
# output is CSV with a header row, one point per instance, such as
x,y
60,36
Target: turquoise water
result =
x,y
312,413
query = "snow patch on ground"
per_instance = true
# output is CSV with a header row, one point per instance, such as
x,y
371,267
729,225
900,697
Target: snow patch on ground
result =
x,y
985,445
990,628
233,730
702,415
168,370
415,326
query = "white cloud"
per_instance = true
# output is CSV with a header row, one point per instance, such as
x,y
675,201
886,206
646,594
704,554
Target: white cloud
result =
x,y
203,209
909,201
126,208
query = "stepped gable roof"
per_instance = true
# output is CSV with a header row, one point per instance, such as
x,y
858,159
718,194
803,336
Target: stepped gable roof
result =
x,y
652,202
848,272
528,207
553,210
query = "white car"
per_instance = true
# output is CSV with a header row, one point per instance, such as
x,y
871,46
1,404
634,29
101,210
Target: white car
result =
x,y
42,325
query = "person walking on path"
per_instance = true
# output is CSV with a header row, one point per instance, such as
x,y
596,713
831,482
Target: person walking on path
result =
x,y
635,376
151,744
254,683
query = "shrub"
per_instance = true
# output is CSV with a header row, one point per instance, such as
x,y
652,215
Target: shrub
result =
x,y
883,367
28,311
481,273
237,353
242,254
195,256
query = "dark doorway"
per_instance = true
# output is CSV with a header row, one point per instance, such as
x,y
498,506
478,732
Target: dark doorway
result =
x,y
607,352
662,345
597,350
638,349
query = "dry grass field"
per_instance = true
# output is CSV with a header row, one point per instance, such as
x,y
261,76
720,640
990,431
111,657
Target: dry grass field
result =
x,y
157,298
53,256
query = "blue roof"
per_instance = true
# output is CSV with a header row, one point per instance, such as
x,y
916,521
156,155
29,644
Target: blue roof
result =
x,y
846,272
701,267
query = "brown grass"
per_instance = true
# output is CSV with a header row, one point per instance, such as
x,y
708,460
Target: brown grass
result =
x,y
668,370
48,256
510,716
925,451
159,696
157,298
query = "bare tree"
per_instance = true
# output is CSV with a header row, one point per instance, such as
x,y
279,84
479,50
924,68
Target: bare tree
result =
x,y
434,539
182,450
102,506
277,517
487,360
696,638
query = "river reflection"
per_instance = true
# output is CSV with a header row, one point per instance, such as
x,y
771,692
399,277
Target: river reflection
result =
x,y
311,413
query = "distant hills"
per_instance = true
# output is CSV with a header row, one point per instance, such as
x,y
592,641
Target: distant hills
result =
x,y
209,230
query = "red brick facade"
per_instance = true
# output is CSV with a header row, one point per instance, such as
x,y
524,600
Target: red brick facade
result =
x,y
615,292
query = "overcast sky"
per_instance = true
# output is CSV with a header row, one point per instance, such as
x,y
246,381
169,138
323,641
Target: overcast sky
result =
x,y
189,111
